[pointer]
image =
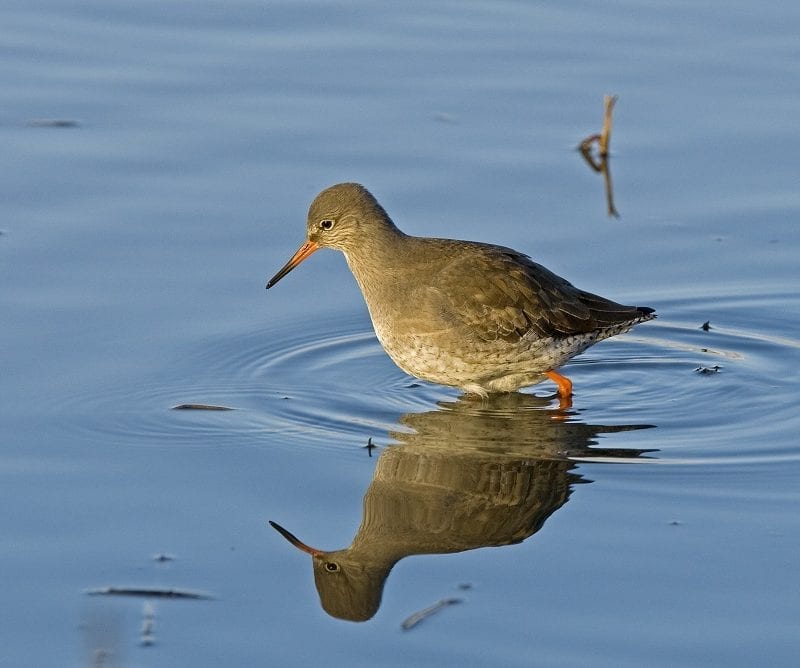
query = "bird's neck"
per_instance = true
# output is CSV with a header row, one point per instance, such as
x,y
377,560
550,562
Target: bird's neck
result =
x,y
377,261
380,249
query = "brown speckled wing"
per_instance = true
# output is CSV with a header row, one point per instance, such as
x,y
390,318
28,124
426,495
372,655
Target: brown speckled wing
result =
x,y
504,295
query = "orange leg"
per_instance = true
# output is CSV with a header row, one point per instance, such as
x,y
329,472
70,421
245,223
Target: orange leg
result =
x,y
564,384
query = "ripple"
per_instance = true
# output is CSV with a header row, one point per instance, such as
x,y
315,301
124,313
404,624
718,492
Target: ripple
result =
x,y
292,382
329,384
743,414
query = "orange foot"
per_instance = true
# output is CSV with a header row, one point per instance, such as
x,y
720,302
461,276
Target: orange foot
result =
x,y
564,389
564,384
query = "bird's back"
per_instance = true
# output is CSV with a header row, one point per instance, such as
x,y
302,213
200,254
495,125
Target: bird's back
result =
x,y
500,293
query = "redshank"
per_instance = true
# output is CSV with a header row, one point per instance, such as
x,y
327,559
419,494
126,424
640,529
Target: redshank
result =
x,y
471,315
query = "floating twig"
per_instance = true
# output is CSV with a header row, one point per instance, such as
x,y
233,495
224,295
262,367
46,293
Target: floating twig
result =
x,y
602,140
612,210
147,592
605,134
411,621
201,407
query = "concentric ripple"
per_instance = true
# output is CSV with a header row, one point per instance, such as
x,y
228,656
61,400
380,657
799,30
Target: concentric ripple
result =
x,y
727,394
283,385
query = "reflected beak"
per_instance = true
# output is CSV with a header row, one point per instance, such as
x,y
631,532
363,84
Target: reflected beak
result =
x,y
294,540
302,253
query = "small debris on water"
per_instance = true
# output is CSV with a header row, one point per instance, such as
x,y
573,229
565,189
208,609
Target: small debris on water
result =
x,y
162,557
675,523
370,446
147,636
147,592
200,407
99,656
705,370
411,621
706,326
444,117
52,123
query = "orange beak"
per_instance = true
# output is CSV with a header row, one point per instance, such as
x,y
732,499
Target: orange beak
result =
x,y
294,540
302,253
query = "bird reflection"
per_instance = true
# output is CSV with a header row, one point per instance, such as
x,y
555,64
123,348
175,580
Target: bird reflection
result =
x,y
474,473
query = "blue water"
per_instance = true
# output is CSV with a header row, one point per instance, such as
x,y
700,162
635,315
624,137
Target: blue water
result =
x,y
158,160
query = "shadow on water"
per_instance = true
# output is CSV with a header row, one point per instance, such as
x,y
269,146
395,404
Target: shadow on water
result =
x,y
471,474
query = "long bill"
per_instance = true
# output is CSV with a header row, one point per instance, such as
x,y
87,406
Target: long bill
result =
x,y
302,253
294,540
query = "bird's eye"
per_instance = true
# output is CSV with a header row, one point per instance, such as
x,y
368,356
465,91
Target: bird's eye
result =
x,y
331,566
326,224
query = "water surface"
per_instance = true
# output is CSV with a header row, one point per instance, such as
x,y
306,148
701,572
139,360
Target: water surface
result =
x,y
158,162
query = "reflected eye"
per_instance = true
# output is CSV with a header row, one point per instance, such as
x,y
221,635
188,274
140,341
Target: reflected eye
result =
x,y
331,566
326,224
